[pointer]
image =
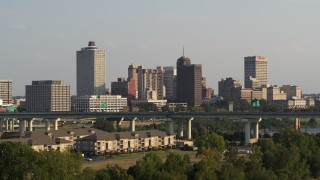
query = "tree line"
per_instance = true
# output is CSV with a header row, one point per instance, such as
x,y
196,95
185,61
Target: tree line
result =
x,y
288,155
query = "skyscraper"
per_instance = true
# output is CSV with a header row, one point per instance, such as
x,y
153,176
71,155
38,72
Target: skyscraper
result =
x,y
169,81
189,82
133,74
46,96
91,70
150,83
6,91
255,69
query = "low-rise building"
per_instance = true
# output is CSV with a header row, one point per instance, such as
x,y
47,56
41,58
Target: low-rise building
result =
x,y
290,104
102,143
158,103
101,103
97,142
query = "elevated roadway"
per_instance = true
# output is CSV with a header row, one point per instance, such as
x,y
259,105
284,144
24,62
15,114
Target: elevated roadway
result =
x,y
180,117
130,115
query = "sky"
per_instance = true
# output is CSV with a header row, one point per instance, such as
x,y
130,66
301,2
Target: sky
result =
x,y
39,38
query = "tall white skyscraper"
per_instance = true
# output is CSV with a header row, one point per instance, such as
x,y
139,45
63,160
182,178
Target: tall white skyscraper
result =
x,y
91,70
255,71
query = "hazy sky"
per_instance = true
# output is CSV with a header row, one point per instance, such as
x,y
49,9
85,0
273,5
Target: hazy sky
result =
x,y
39,39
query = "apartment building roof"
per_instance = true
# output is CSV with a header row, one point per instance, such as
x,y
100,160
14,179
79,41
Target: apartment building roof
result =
x,y
123,135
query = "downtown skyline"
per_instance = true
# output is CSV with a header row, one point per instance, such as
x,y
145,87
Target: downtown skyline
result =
x,y
217,35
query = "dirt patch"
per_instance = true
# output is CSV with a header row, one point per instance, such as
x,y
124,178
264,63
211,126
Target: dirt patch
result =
x,y
127,160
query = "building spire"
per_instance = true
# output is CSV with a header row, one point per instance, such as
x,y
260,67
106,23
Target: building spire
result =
x,y
182,50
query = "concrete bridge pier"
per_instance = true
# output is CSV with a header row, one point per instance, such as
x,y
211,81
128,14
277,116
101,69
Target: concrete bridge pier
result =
x,y
256,130
1,125
47,121
169,126
133,124
247,133
118,123
55,121
189,128
180,129
22,127
297,124
247,130
7,124
30,124
12,125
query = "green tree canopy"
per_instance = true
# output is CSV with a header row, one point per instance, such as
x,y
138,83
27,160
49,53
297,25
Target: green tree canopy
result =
x,y
20,161
17,161
209,141
104,125
112,172
148,107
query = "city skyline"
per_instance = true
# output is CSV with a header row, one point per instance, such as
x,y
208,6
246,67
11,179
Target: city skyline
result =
x,y
215,34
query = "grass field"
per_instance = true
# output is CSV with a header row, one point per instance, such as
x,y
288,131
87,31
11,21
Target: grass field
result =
x,y
127,160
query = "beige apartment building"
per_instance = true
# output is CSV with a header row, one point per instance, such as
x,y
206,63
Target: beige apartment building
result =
x,y
101,143
96,142
47,96
6,91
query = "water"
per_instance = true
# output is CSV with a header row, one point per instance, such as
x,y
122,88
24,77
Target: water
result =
x,y
304,130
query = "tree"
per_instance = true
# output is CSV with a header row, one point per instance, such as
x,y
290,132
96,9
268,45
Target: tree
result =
x,y
112,172
104,125
148,107
312,122
165,108
179,108
147,168
209,165
87,173
233,166
17,161
208,141
197,109
20,161
58,165
177,165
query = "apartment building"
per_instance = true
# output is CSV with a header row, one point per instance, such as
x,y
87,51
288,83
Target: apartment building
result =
x,y
101,143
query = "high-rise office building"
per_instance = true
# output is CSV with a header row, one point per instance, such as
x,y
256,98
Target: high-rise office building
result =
x,y
124,88
46,96
169,81
229,88
133,74
189,82
91,70
150,83
6,91
275,93
292,91
255,69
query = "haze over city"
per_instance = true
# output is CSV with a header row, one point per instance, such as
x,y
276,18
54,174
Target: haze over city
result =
x,y
40,39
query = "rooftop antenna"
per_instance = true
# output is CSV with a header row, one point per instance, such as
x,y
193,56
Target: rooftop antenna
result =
x,y
182,50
